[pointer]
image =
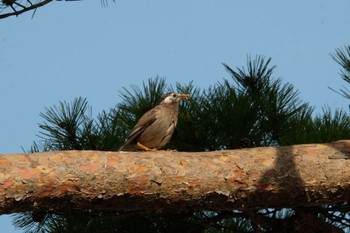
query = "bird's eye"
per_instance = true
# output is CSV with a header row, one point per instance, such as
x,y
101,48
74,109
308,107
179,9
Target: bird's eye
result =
x,y
174,95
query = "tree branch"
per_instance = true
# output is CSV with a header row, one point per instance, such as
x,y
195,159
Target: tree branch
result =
x,y
300,175
25,8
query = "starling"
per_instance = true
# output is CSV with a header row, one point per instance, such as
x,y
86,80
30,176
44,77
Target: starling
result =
x,y
155,128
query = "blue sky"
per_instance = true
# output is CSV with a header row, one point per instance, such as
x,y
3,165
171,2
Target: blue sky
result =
x,y
72,49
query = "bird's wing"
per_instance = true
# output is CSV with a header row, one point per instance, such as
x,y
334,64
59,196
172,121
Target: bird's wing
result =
x,y
146,120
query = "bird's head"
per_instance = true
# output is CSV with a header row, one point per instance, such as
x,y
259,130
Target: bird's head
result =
x,y
173,97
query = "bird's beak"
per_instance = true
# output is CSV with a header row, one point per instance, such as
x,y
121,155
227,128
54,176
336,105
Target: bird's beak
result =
x,y
184,96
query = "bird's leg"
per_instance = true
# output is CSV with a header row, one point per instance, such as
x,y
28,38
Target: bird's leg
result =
x,y
171,150
143,147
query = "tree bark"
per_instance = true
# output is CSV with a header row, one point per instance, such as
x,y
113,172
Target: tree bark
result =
x,y
291,176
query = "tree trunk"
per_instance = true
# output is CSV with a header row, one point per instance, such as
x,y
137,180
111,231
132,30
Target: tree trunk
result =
x,y
291,176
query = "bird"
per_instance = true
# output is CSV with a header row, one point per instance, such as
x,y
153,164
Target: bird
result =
x,y
155,128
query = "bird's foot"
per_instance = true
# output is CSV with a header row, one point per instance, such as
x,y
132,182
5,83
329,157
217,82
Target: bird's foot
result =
x,y
143,147
171,150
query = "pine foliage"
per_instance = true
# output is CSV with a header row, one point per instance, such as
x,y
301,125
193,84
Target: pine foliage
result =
x,y
250,108
342,57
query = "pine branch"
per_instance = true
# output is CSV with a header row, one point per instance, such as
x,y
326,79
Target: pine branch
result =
x,y
16,12
301,175
342,57
14,8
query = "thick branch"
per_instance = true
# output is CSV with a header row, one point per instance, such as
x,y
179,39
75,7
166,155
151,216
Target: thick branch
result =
x,y
292,176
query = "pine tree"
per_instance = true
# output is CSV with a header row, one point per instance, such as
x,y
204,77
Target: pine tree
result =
x,y
249,109
342,57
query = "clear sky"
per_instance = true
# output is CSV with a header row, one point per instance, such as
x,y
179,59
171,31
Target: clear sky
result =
x,y
72,49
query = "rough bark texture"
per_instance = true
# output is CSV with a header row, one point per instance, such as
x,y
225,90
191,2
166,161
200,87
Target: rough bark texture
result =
x,y
300,175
